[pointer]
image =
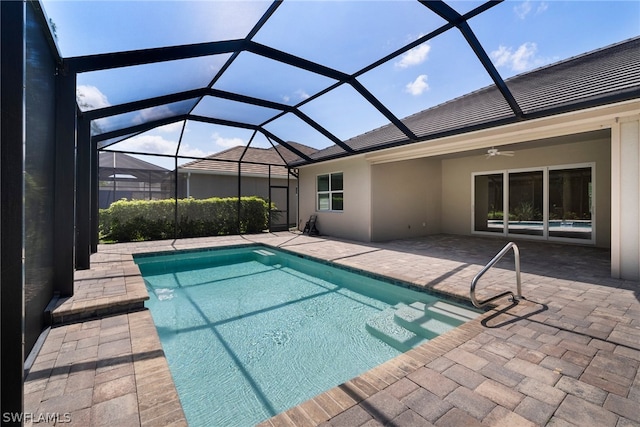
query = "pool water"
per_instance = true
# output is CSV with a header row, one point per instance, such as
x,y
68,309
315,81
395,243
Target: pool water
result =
x,y
250,332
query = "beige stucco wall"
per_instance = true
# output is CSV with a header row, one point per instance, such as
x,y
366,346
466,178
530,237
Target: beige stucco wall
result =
x,y
406,199
202,186
625,199
614,152
457,187
393,200
354,222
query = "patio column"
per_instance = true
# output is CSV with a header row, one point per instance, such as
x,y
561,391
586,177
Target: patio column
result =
x,y
625,199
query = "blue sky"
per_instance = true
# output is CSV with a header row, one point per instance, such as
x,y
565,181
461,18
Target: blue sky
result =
x,y
346,35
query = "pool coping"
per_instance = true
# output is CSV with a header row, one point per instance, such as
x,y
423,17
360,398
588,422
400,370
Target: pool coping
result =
x,y
126,292
122,272
340,398
157,402
347,395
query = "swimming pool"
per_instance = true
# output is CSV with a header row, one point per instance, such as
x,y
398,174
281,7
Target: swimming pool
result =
x,y
250,332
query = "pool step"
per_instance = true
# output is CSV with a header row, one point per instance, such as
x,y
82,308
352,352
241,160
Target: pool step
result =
x,y
432,319
406,326
383,326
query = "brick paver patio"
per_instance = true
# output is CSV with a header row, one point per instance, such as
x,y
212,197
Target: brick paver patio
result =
x,y
567,355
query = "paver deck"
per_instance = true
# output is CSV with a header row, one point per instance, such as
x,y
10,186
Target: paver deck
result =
x,y
567,355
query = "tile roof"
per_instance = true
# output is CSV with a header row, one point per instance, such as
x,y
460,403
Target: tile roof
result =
x,y
255,161
603,76
124,161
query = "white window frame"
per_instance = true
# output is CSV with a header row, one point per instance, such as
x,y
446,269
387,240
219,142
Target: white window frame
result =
x,y
545,191
329,192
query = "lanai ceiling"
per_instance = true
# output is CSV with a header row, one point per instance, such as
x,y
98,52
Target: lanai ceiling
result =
x,y
317,73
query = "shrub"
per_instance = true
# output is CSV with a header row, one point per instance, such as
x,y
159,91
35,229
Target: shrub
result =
x,y
525,211
135,220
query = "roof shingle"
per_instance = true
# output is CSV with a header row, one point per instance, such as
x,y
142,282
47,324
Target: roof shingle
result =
x,y
600,77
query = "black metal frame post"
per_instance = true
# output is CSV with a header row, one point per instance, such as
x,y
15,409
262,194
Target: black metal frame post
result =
x,y
240,195
175,195
269,206
12,67
288,206
83,195
95,195
64,183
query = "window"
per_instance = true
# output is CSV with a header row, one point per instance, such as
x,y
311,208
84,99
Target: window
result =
x,y
330,192
555,203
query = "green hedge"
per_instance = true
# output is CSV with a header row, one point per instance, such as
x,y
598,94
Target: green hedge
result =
x,y
135,220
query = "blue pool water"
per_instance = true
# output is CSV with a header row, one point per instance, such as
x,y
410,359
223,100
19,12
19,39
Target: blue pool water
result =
x,y
251,332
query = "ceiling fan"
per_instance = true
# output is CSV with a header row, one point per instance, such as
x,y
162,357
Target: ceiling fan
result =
x,y
492,152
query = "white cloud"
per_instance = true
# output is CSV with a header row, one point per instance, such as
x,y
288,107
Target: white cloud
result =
x,y
542,7
522,59
157,144
172,127
90,97
226,142
186,150
418,86
525,8
415,56
152,113
299,94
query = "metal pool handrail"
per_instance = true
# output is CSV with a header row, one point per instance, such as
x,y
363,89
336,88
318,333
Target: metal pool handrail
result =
x,y
498,257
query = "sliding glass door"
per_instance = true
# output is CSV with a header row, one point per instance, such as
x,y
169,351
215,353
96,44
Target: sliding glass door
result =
x,y
553,203
570,203
488,202
526,203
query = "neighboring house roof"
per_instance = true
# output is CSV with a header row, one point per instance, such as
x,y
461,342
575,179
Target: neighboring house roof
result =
x,y
255,161
124,167
600,77
124,161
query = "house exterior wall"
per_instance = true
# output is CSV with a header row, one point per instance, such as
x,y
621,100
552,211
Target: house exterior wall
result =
x,y
457,180
405,199
436,192
203,186
354,222
625,199
607,136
